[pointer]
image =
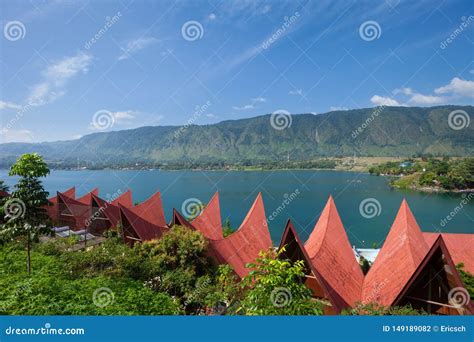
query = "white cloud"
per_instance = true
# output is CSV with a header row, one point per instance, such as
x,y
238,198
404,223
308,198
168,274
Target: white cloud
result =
x,y
384,101
259,99
55,78
136,45
334,108
124,115
211,115
426,100
211,16
458,87
11,135
9,105
298,92
245,107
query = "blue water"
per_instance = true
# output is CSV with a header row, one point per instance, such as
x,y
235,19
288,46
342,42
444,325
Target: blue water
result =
x,y
238,190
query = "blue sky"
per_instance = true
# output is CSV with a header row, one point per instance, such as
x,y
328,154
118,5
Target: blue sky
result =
x,y
201,62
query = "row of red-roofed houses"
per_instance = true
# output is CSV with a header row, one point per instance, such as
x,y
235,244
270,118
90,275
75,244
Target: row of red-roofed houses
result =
x,y
412,267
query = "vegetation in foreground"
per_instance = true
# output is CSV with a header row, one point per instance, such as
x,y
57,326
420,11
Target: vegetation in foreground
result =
x,y
430,174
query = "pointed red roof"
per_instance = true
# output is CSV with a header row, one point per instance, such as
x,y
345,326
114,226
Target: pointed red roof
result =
x,y
111,210
209,221
244,245
459,246
331,255
79,212
398,259
87,198
147,219
52,209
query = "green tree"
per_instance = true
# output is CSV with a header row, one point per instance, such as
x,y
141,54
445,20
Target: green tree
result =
x,y
227,228
24,210
374,309
467,278
276,287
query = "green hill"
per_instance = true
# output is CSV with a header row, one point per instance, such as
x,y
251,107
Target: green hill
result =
x,y
395,131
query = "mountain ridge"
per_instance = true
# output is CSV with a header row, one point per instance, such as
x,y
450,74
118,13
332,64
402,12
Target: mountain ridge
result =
x,y
394,131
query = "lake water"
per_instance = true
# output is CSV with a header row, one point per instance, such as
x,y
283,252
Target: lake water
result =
x,y
309,191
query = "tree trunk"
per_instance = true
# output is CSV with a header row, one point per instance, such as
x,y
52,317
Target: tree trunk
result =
x,y
28,256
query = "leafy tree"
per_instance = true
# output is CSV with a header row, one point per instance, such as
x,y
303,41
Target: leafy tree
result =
x,y
467,278
24,210
275,287
227,228
374,309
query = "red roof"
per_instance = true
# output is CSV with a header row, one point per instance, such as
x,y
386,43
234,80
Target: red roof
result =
x,y
209,221
111,210
52,208
401,254
244,245
459,246
78,211
331,255
87,198
4,194
146,219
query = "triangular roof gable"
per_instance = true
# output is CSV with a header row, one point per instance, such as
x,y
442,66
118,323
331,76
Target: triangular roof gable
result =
x,y
71,193
401,254
294,250
209,221
439,243
144,229
179,220
124,199
80,211
244,245
331,255
87,198
151,210
459,247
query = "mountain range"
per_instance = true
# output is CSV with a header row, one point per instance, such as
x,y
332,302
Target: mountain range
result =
x,y
380,131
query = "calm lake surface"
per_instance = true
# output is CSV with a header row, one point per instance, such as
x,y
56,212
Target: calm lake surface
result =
x,y
310,190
